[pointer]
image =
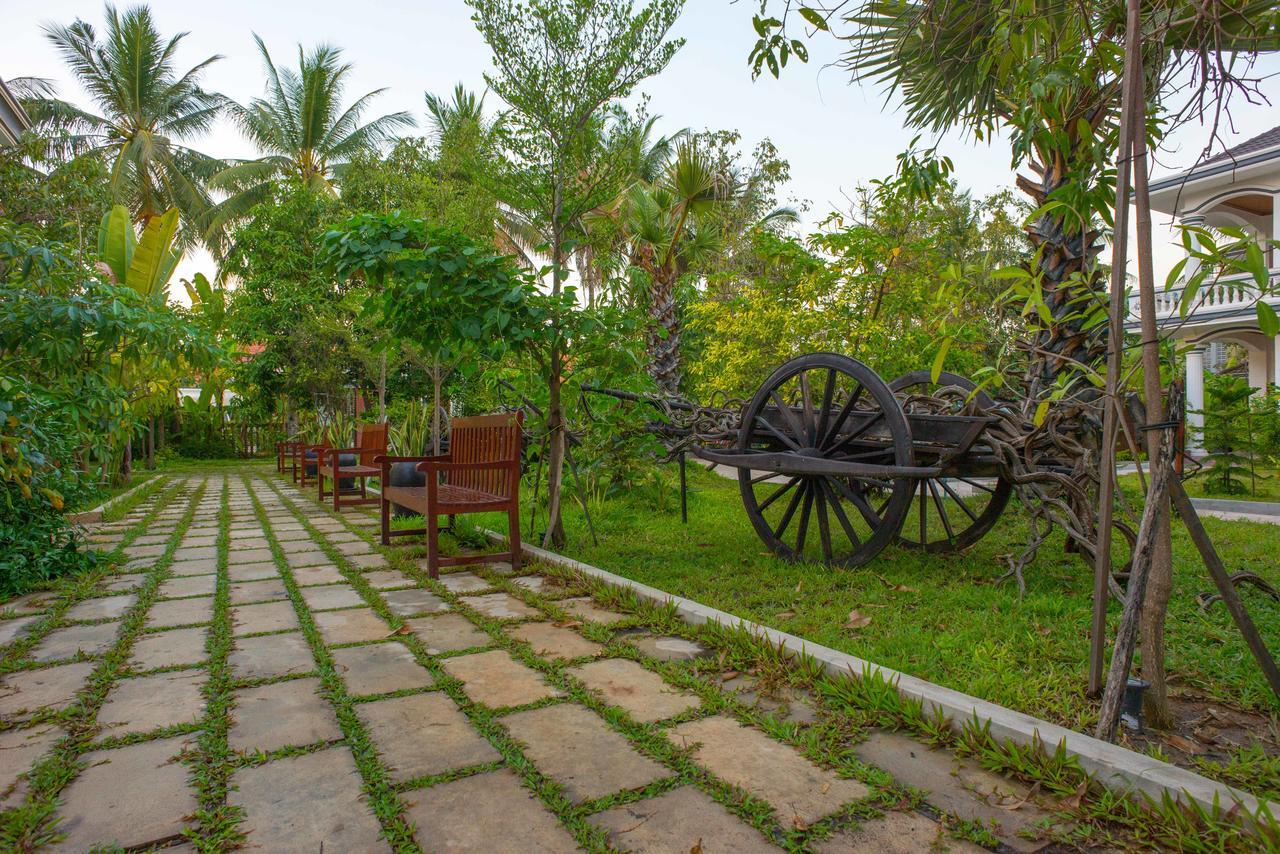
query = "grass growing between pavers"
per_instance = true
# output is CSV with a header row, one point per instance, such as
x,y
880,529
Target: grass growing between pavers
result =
x,y
382,798
648,739
34,822
1097,817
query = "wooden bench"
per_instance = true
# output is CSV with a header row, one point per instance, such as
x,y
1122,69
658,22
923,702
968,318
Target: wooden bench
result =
x,y
301,460
480,474
371,444
287,451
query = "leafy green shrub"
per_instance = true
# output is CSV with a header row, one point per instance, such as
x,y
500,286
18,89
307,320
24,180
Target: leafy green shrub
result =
x,y
38,479
1229,436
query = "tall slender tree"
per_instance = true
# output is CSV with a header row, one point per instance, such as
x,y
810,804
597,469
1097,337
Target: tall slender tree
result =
x,y
559,64
146,113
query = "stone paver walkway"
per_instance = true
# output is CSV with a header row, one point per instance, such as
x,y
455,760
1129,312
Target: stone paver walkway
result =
x,y
257,672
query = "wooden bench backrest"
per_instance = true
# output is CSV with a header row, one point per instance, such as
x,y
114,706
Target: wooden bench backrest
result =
x,y
485,439
371,439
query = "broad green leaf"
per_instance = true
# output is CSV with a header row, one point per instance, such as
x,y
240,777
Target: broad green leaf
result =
x,y
936,370
154,257
1268,320
116,242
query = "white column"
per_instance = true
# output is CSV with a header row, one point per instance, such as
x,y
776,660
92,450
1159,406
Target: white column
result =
x,y
1192,264
1275,361
1257,369
1195,399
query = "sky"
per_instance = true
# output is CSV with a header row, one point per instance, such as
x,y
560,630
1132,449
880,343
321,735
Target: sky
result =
x,y
835,133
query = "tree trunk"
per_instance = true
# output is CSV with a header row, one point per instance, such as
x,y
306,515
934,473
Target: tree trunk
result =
x,y
554,536
1160,583
382,389
664,334
151,443
1064,251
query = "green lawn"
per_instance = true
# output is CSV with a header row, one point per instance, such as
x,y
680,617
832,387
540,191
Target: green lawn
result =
x,y
945,618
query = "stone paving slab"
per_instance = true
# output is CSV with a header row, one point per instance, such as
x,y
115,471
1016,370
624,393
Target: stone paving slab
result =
x,y
667,648
331,596
188,585
169,649
958,786
585,608
268,617
12,629
414,601
202,566
745,757
20,749
271,656
423,734
201,553
313,575
309,803
122,582
68,642
247,592
573,746
282,714
501,606
357,625
896,833
447,633
684,819
146,703
98,810
379,668
642,693
498,680
369,561
387,579
102,608
256,571
464,582
180,612
480,813
554,641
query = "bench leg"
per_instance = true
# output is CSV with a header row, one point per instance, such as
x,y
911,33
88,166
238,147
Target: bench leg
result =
x,y
433,547
386,521
337,483
513,536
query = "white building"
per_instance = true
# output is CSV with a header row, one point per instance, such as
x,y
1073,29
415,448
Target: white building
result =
x,y
1241,188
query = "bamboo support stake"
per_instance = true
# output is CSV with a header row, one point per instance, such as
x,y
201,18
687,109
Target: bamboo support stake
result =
x,y
1115,342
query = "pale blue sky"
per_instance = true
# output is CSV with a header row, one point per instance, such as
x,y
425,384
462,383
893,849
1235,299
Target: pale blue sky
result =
x,y
836,135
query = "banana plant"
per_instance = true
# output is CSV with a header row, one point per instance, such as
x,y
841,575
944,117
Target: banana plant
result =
x,y
144,263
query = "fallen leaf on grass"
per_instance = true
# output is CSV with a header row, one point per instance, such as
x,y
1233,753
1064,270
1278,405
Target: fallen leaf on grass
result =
x,y
729,674
784,615
1073,800
857,620
697,847
1019,804
1186,745
567,624
403,630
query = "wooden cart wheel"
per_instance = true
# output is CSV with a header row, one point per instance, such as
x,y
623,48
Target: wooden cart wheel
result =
x,y
832,407
949,513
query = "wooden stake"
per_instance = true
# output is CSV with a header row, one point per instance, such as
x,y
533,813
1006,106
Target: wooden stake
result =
x,y
1131,90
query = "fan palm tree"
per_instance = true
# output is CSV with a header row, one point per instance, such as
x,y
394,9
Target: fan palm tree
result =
x,y
302,129
146,109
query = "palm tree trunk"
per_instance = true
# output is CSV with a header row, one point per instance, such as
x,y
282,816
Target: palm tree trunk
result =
x,y
1065,250
663,334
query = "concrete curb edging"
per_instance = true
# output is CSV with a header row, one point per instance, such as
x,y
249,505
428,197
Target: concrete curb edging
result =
x,y
88,517
1115,767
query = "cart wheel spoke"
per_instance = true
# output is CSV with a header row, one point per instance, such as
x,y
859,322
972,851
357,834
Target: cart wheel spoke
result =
x,y
828,397
958,499
841,516
806,404
872,517
798,430
942,511
976,485
778,434
790,511
804,519
824,524
845,411
778,493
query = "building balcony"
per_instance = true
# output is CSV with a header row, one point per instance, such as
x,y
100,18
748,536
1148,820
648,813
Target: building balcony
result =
x,y
1229,298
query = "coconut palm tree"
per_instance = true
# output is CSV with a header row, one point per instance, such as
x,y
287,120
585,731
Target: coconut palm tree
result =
x,y
145,112
302,129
